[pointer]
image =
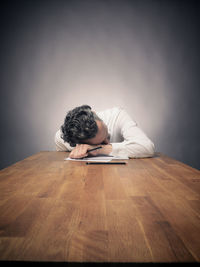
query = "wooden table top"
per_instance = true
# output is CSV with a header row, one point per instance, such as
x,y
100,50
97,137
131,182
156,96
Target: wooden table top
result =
x,y
54,210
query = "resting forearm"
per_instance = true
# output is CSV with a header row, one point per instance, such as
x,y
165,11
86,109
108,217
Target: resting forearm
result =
x,y
133,150
106,149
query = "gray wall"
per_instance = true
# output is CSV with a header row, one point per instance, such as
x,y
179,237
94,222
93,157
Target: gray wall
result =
x,y
140,55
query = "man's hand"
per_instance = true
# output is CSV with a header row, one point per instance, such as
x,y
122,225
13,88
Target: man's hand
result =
x,y
80,151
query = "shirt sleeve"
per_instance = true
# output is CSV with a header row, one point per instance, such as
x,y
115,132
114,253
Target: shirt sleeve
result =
x,y
60,144
135,143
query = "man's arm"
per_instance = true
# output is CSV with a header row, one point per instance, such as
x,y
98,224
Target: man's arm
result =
x,y
60,144
81,150
136,144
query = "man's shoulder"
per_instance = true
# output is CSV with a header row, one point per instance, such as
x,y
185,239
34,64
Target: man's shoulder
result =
x,y
110,115
111,111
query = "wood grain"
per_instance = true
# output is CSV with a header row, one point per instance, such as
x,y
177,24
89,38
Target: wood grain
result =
x,y
54,210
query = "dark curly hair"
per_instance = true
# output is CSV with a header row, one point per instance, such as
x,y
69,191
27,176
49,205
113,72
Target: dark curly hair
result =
x,y
79,125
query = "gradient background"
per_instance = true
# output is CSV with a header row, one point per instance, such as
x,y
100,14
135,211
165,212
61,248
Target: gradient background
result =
x,y
140,55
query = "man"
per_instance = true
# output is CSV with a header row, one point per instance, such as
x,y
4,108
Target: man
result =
x,y
113,129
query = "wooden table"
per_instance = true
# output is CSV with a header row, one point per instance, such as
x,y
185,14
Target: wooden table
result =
x,y
54,210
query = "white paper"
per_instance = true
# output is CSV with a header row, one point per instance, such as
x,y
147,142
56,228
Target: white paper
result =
x,y
98,158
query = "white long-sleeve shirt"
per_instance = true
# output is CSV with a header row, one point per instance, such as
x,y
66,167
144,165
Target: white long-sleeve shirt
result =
x,y
126,137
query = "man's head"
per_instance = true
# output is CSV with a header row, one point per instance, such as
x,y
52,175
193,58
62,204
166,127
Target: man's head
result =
x,y
82,125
